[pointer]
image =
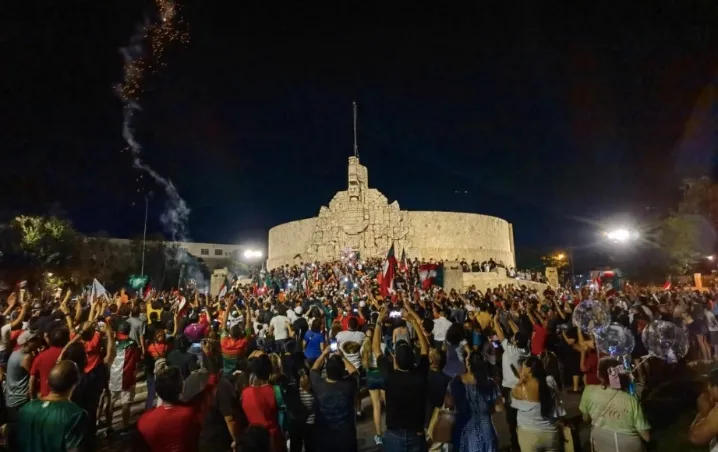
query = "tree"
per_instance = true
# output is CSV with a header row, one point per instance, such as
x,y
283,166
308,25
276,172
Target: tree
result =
x,y
558,260
685,239
41,245
699,197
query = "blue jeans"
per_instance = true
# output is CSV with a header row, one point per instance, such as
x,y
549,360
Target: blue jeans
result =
x,y
404,441
150,392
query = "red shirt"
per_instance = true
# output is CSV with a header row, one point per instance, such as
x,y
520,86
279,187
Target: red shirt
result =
x,y
260,407
176,428
345,321
42,365
538,342
92,349
13,338
590,368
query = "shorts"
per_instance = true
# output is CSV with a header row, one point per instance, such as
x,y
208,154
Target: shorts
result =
x,y
125,397
374,381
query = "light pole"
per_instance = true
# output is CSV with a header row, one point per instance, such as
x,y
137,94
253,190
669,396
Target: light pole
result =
x,y
144,236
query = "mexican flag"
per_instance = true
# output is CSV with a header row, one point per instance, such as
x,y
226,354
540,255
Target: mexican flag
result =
x,y
404,263
225,287
431,275
386,284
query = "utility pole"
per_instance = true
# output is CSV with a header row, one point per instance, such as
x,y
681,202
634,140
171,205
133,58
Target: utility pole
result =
x,y
573,273
144,235
356,148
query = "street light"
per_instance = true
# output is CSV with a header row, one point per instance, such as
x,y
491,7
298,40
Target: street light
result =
x,y
621,235
252,254
711,258
561,256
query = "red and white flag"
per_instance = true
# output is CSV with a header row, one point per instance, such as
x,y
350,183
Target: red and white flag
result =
x,y
386,285
667,285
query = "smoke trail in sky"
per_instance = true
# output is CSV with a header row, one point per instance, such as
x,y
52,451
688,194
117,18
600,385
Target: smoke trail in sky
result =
x,y
144,53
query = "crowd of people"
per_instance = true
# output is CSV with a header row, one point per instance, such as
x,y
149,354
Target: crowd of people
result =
x,y
284,363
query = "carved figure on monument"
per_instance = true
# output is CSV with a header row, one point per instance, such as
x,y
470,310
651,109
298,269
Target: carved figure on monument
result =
x,y
360,218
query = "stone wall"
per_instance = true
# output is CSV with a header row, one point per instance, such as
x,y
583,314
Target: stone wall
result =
x,y
455,236
486,280
288,240
363,219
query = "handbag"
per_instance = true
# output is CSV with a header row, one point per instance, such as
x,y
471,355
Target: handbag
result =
x,y
441,425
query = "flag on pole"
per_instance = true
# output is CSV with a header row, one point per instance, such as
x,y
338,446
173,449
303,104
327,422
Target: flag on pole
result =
x,y
667,285
431,275
147,292
96,291
404,264
387,273
225,287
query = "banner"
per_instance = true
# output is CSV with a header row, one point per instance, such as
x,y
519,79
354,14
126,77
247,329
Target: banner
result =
x,y
552,276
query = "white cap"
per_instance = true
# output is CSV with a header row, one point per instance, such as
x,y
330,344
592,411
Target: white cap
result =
x,y
298,310
362,304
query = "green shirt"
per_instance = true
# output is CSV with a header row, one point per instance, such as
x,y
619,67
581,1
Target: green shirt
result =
x,y
51,426
613,410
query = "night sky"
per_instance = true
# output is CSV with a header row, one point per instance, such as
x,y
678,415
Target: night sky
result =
x,y
549,118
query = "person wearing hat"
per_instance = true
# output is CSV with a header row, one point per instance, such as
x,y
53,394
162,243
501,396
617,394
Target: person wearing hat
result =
x,y
17,390
704,429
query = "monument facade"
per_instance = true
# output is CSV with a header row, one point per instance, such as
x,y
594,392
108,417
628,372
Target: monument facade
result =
x,y
363,219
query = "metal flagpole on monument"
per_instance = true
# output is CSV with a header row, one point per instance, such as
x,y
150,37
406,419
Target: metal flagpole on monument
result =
x,y
356,148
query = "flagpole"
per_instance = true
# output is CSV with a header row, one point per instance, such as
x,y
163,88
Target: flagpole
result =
x,y
356,148
144,236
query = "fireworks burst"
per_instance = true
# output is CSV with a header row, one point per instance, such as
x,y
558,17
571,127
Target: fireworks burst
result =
x,y
146,49
145,53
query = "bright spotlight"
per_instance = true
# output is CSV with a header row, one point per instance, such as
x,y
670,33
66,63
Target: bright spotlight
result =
x,y
252,254
621,235
711,257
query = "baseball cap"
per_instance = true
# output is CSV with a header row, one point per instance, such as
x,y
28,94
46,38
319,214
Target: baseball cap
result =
x,y
25,337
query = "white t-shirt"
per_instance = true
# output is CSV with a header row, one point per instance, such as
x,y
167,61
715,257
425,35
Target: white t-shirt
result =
x,y
3,334
280,324
343,338
512,355
711,320
441,326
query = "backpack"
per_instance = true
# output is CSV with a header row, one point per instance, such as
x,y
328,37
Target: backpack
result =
x,y
296,412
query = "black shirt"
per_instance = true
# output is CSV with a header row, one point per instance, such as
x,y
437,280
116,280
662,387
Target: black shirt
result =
x,y
404,408
334,411
187,362
226,403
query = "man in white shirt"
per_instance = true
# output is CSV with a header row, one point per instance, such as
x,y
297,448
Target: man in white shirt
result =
x,y
441,326
350,343
280,327
515,350
345,340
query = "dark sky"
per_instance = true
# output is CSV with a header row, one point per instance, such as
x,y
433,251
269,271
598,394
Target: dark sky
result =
x,y
536,114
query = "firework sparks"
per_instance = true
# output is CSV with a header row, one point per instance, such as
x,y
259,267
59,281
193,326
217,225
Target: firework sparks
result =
x,y
145,53
155,35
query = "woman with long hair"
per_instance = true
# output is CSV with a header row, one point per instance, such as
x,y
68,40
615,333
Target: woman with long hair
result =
x,y
456,349
535,397
474,396
617,422
374,382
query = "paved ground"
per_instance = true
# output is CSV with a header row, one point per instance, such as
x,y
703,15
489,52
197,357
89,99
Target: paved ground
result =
x,y
365,428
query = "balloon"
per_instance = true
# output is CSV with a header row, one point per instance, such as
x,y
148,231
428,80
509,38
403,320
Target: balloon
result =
x,y
615,340
665,340
591,316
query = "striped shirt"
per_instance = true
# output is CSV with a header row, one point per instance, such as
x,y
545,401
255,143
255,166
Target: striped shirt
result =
x,y
308,401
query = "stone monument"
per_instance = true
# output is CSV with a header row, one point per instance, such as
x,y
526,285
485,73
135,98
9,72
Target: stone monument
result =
x,y
360,218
